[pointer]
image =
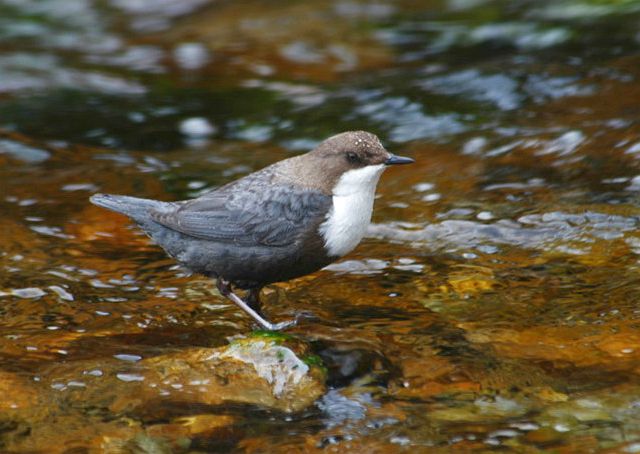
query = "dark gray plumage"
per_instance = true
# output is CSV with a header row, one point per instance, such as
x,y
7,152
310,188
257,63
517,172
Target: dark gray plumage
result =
x,y
260,229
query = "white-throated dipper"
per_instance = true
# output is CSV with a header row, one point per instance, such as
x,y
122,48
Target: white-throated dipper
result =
x,y
284,221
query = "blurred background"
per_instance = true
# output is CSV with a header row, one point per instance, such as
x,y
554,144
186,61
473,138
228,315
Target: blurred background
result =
x,y
494,303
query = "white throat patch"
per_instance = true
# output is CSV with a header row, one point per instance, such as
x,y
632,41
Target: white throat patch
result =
x,y
350,215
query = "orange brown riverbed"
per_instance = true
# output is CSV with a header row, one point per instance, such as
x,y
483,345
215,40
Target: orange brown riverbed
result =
x,y
493,305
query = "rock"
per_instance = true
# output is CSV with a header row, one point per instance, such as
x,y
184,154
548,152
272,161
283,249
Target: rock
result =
x,y
265,369
168,403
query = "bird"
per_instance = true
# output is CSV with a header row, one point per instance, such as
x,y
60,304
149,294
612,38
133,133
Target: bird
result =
x,y
287,220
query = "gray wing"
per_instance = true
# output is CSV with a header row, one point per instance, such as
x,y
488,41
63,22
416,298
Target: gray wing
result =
x,y
248,216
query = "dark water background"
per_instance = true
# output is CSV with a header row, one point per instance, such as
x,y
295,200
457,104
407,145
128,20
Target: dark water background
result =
x,y
494,304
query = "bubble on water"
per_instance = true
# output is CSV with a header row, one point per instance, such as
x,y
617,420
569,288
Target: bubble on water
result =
x,y
61,292
196,184
156,15
302,52
398,440
27,202
634,184
367,266
504,433
487,249
541,88
525,426
431,197
129,377
582,10
616,180
300,94
566,144
197,127
51,231
407,120
23,152
523,35
262,69
28,293
561,427
485,216
474,146
94,372
498,89
137,58
498,405
90,187
253,133
97,283
300,144
423,187
503,149
127,357
136,117
191,56
414,267
455,213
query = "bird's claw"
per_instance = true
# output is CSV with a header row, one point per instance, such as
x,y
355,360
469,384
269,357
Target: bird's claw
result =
x,y
282,325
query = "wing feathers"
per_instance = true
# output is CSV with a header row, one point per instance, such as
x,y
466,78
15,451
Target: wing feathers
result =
x,y
275,216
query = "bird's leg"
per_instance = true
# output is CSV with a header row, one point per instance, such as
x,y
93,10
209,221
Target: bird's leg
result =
x,y
253,300
224,287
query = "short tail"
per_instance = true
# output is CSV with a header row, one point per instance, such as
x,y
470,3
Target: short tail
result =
x,y
136,208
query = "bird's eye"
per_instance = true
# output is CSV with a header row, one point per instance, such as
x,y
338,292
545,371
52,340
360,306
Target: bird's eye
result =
x,y
352,157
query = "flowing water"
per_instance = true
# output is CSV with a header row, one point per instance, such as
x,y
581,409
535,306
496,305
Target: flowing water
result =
x,y
493,304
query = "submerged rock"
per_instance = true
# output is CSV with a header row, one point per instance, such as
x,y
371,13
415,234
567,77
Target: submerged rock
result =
x,y
131,403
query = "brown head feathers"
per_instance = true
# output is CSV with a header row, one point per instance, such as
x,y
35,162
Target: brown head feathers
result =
x,y
321,168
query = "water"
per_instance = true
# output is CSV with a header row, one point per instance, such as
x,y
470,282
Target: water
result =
x,y
494,301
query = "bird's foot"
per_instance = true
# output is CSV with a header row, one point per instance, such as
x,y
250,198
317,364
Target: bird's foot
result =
x,y
225,289
282,325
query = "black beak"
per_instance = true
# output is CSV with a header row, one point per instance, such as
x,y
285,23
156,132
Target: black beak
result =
x,y
396,160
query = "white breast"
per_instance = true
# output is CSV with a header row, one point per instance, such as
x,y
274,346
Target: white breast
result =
x,y
350,215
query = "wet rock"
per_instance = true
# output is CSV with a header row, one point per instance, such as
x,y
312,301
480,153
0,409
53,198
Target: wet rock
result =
x,y
265,370
181,397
